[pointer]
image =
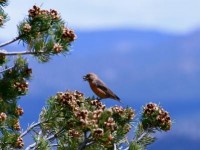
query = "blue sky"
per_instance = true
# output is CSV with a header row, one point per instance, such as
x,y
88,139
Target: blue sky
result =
x,y
177,16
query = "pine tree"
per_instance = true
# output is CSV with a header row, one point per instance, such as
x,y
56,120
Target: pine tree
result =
x,y
69,120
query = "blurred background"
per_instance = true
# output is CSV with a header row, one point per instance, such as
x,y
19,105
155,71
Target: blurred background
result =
x,y
144,50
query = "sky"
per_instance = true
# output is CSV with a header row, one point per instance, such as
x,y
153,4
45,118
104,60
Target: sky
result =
x,y
176,16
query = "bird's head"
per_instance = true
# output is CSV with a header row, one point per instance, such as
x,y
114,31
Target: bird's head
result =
x,y
89,77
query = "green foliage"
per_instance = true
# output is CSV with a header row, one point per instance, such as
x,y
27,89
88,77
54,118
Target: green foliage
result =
x,y
155,117
9,140
45,33
3,15
144,137
12,86
3,3
42,144
74,118
135,146
14,80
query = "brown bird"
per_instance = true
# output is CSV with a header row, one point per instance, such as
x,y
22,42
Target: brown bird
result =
x,y
99,87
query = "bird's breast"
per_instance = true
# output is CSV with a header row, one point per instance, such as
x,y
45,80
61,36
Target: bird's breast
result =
x,y
99,92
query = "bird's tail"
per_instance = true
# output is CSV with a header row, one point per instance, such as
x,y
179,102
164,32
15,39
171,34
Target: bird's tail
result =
x,y
117,99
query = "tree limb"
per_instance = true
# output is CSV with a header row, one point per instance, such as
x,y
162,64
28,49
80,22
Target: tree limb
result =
x,y
85,142
9,42
30,128
18,37
47,139
141,136
53,145
6,69
20,53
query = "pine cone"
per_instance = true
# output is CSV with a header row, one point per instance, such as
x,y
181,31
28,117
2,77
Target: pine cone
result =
x,y
1,20
27,27
98,133
74,133
155,117
110,124
19,143
35,11
68,35
19,111
3,117
54,14
57,48
16,126
118,109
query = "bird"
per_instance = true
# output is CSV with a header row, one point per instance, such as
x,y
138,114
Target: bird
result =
x,y
99,87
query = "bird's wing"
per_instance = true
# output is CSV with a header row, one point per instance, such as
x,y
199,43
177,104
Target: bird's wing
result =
x,y
108,92
102,85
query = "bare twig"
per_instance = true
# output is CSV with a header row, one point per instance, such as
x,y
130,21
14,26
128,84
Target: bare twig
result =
x,y
20,53
9,42
47,139
85,142
18,37
115,146
53,145
6,69
90,143
141,136
30,128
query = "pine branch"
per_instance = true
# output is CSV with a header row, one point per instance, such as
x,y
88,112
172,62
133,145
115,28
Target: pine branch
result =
x,y
9,42
54,145
84,143
115,146
20,53
141,136
90,143
145,138
18,37
30,128
46,139
9,68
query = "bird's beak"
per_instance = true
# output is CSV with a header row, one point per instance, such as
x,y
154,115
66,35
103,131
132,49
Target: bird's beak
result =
x,y
85,78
